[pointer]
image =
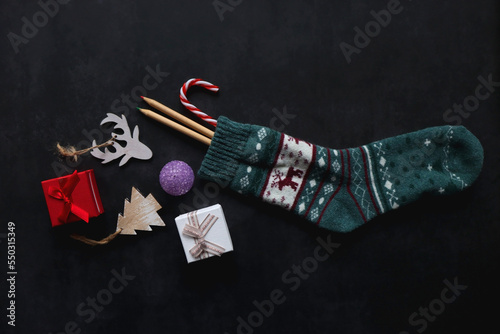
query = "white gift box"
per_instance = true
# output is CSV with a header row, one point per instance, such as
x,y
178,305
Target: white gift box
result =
x,y
217,235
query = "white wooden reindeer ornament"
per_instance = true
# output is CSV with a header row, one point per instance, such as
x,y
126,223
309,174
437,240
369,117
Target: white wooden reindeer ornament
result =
x,y
133,147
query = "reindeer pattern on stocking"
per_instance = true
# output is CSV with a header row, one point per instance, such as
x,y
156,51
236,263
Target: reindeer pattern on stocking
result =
x,y
286,178
133,147
287,181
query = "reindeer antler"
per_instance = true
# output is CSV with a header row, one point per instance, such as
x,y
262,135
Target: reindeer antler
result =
x,y
277,177
121,123
133,147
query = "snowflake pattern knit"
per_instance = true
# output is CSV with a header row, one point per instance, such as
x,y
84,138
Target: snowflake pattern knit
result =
x,y
340,189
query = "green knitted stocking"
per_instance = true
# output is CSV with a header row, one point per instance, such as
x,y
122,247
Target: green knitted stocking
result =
x,y
340,189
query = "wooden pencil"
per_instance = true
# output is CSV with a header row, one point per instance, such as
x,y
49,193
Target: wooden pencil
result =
x,y
176,126
181,118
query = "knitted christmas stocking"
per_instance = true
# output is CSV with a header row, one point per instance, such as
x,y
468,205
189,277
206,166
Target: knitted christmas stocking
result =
x,y
340,189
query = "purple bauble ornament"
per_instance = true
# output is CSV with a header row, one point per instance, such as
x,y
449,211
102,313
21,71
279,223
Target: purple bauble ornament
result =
x,y
176,178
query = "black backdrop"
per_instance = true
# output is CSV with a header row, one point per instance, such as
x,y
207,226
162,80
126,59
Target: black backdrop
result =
x,y
269,58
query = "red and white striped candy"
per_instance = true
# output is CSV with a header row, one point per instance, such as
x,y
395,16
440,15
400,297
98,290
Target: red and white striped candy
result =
x,y
192,107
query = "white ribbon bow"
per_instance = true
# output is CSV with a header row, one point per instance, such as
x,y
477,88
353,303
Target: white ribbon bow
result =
x,y
193,229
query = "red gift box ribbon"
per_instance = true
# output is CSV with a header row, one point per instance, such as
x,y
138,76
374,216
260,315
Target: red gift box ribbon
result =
x,y
64,193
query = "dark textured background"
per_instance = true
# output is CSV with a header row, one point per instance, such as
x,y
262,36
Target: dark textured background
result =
x,y
265,56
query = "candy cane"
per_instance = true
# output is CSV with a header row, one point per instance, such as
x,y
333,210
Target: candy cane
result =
x,y
190,106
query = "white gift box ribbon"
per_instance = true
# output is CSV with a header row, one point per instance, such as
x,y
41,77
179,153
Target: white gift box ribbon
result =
x,y
198,231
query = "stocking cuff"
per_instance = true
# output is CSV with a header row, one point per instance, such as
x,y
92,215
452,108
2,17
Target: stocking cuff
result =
x,y
224,154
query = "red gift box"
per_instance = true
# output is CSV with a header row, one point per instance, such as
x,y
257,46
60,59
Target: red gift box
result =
x,y
72,198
